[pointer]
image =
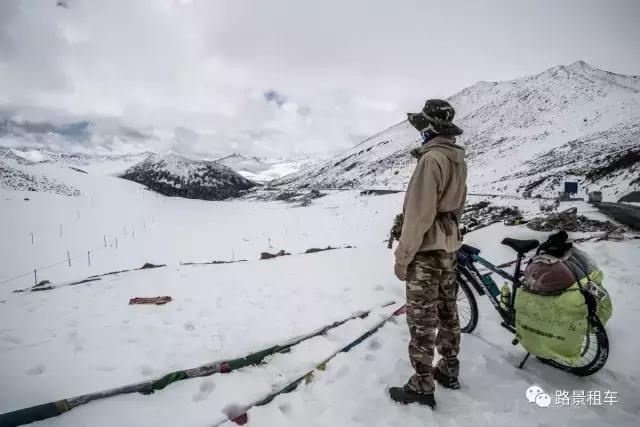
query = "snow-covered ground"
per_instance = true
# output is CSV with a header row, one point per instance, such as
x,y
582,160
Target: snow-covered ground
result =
x,y
84,338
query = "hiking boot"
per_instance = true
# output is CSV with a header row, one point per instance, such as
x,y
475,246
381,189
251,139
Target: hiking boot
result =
x,y
405,396
445,380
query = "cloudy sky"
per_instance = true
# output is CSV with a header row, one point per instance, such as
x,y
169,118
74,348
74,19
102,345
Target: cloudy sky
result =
x,y
346,68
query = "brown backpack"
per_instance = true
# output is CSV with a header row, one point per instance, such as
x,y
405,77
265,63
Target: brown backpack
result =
x,y
547,274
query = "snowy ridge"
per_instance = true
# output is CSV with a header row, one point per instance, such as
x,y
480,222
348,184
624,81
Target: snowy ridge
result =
x,y
263,169
13,156
380,161
615,170
174,175
32,157
16,175
239,162
517,133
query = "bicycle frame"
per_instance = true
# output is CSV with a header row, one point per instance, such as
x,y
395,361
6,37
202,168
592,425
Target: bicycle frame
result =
x,y
471,266
467,257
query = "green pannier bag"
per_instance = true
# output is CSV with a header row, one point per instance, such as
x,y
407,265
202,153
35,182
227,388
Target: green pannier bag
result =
x,y
553,326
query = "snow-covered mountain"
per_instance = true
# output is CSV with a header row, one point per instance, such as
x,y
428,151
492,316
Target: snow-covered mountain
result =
x,y
174,175
24,169
18,173
531,133
263,169
38,156
572,121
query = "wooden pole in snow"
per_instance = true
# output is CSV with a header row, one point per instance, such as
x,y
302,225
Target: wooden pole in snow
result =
x,y
69,258
89,257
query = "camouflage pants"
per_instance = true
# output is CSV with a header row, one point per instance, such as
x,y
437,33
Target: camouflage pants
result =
x,y
431,305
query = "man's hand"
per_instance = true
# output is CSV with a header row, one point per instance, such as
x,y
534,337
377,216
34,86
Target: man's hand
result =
x,y
401,271
396,229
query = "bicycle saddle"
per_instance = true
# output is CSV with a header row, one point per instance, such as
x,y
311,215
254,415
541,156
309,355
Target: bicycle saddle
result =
x,y
521,246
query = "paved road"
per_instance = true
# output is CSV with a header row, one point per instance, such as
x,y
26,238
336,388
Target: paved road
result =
x,y
621,212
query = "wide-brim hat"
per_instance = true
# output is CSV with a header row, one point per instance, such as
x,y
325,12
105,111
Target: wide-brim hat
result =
x,y
435,117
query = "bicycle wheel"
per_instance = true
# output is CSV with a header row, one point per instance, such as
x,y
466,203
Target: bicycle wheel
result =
x,y
467,306
595,351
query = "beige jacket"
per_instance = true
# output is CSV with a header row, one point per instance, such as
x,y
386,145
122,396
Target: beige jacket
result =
x,y
438,184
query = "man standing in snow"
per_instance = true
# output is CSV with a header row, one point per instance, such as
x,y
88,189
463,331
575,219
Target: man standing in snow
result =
x,y
426,253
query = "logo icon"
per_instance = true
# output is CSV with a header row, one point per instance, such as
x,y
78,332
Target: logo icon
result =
x,y
543,400
536,394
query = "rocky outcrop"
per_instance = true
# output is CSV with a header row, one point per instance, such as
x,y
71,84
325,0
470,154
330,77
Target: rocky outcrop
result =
x,y
178,176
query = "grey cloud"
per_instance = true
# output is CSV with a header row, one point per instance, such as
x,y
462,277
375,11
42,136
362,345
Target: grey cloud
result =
x,y
355,66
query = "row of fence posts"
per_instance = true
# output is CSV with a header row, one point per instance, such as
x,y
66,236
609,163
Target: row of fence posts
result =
x,y
68,260
124,229
104,236
35,271
104,239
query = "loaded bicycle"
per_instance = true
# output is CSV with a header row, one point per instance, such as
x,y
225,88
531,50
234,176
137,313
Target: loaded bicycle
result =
x,y
475,272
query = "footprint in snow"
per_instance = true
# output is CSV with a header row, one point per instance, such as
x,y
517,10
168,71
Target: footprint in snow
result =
x,y
12,339
36,370
379,288
37,343
189,326
285,408
205,389
374,344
